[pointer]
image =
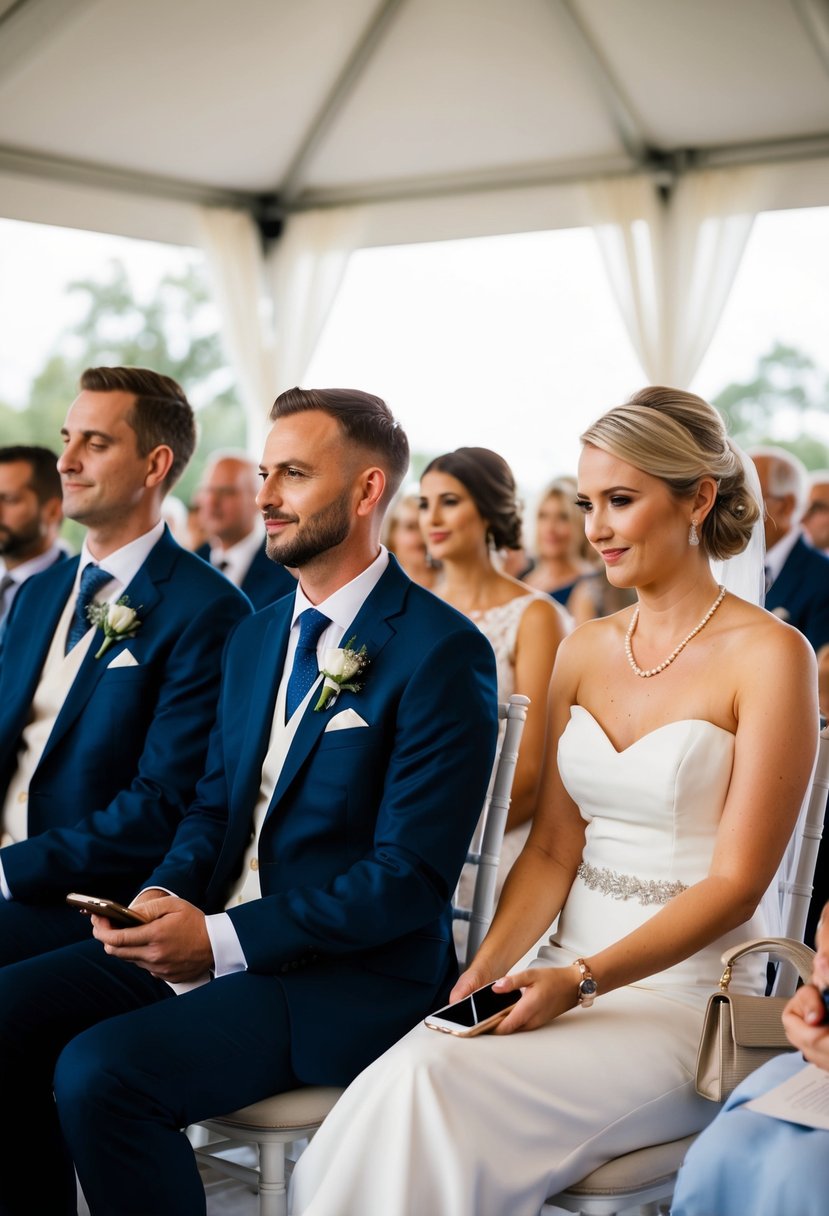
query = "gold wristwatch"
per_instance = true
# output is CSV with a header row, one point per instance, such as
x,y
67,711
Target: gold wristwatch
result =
x,y
588,988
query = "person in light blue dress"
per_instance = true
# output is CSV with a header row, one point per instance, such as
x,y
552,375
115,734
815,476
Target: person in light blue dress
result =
x,y
745,1161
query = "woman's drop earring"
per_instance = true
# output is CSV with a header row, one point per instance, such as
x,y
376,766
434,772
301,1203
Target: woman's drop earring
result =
x,y
693,535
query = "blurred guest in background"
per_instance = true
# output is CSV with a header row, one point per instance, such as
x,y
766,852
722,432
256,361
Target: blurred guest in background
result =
x,y
562,550
31,510
468,510
559,562
816,515
797,575
405,541
236,538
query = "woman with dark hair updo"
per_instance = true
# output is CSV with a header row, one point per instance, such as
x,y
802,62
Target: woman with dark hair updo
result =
x,y
683,734
469,509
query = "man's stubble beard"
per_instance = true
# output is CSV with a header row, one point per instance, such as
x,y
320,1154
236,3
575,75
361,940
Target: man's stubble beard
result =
x,y
21,542
322,531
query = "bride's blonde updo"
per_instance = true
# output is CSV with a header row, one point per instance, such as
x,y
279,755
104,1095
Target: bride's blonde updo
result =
x,y
680,438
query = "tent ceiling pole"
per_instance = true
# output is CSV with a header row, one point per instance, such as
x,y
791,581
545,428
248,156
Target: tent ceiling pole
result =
x,y
814,17
338,95
28,25
25,163
627,124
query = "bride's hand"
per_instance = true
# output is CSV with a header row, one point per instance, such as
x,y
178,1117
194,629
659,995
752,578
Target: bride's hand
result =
x,y
548,992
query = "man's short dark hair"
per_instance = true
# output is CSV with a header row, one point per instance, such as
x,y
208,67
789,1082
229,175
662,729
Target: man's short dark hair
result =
x,y
366,421
161,414
45,478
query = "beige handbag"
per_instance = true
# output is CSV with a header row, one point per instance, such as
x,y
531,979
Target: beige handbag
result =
x,y
739,1033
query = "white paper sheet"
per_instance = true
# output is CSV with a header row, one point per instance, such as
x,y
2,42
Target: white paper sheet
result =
x,y
803,1099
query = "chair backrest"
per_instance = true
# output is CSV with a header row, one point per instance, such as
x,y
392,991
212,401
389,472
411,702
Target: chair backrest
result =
x,y
494,819
796,892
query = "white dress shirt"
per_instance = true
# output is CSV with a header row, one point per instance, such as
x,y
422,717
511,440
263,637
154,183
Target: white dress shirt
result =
x,y
25,570
778,554
235,561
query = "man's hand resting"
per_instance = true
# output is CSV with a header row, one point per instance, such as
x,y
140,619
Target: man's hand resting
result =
x,y
173,945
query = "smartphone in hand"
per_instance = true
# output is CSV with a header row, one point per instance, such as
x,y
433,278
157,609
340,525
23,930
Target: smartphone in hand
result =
x,y
123,917
474,1014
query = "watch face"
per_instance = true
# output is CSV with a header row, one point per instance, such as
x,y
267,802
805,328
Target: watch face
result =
x,y
588,988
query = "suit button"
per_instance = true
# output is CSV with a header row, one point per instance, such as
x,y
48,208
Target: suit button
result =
x,y
254,863
23,796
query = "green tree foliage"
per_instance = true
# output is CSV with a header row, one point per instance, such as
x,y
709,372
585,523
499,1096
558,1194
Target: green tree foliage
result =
x,y
786,385
173,333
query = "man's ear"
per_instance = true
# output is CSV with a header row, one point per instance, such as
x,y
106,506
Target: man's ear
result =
x,y
159,463
373,485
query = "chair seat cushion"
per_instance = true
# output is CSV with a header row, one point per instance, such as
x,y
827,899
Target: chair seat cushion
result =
x,y
297,1108
646,1166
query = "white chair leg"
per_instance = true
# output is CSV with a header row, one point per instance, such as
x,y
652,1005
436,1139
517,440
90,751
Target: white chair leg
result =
x,y
273,1196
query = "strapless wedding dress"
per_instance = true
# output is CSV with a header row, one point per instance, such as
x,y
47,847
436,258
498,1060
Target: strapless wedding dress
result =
x,y
491,1126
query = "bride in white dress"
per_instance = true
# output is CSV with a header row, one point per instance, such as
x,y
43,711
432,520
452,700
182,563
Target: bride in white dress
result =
x,y
682,747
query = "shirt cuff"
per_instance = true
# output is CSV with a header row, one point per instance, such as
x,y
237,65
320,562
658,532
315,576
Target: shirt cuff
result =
x,y
228,955
4,886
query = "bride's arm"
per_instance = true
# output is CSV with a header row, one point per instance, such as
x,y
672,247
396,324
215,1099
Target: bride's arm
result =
x,y
776,711
540,879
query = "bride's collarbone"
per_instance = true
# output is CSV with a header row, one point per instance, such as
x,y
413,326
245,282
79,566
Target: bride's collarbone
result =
x,y
627,711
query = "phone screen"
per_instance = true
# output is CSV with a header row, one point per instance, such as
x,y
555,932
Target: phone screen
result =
x,y
478,1006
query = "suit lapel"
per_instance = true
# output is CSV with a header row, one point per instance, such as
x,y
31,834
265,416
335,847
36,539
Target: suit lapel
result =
x,y
22,665
371,627
143,594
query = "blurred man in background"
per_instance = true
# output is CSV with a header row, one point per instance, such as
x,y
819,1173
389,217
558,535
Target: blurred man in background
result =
x,y
236,538
31,511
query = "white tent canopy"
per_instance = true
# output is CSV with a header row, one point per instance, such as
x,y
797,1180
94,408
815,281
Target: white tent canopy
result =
x,y
665,124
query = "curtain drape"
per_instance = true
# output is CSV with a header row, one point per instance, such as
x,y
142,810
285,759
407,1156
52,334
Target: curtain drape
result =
x,y
305,272
672,261
233,249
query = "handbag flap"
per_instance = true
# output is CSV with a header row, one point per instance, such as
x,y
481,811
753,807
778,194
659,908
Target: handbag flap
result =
x,y
757,1021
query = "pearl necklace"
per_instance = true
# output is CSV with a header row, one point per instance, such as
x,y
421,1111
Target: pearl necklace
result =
x,y
654,671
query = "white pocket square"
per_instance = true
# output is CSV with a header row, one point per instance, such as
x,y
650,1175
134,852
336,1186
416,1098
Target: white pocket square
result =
x,y
345,719
123,659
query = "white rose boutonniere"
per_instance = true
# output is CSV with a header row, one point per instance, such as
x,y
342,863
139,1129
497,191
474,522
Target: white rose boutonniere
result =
x,y
118,621
340,667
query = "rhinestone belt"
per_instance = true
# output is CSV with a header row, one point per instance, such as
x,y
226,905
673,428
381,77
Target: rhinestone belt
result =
x,y
628,886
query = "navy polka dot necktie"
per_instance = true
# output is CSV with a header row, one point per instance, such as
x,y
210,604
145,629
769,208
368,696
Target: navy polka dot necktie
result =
x,y
305,670
92,580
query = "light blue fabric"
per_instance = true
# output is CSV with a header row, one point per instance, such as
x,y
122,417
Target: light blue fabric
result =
x,y
746,1164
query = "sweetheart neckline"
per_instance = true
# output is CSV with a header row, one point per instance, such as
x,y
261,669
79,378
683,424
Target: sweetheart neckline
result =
x,y
620,751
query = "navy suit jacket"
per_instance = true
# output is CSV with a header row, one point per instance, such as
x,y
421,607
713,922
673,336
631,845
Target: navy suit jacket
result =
x,y
129,744
265,581
367,829
800,593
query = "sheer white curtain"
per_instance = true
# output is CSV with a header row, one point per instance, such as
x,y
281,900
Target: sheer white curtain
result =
x,y
273,308
672,262
233,249
305,272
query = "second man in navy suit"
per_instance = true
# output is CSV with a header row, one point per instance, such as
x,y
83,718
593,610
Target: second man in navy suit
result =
x,y
313,874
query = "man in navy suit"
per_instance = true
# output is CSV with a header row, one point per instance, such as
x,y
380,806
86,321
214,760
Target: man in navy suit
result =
x,y
31,511
230,517
101,746
324,843
797,575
